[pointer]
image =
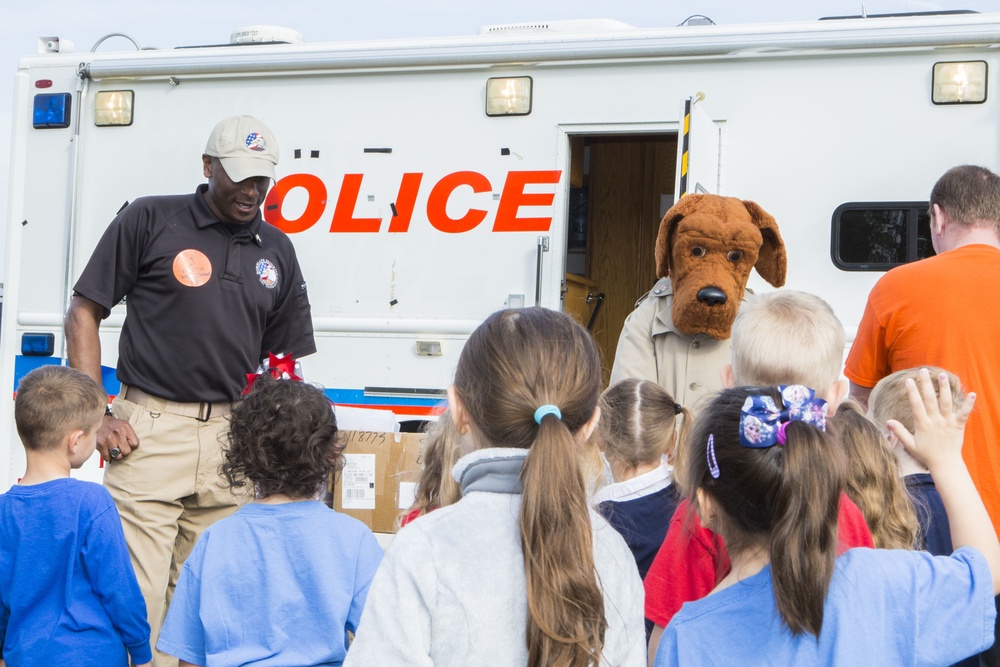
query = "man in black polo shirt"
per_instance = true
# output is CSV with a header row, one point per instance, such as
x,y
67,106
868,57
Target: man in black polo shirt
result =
x,y
211,289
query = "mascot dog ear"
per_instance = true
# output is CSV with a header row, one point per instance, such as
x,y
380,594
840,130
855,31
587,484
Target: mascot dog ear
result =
x,y
772,262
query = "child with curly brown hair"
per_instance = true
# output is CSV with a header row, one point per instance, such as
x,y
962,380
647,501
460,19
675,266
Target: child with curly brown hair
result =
x,y
285,575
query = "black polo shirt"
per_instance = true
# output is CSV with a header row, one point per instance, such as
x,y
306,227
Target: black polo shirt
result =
x,y
205,300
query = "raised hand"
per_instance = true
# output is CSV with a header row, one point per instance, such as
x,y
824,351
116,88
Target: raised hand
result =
x,y
939,427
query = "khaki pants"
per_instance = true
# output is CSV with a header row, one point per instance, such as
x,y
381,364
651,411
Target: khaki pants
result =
x,y
167,492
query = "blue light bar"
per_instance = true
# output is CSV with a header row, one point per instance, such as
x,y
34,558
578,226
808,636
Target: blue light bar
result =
x,y
51,110
38,344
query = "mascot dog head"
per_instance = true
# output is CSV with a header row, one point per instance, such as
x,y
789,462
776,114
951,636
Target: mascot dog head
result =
x,y
707,245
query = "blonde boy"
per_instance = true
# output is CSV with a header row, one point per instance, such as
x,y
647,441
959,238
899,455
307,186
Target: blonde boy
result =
x,y
779,338
68,594
788,337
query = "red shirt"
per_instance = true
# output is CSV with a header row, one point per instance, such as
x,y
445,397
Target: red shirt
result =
x,y
693,559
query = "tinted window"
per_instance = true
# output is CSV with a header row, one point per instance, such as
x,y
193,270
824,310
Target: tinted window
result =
x,y
878,236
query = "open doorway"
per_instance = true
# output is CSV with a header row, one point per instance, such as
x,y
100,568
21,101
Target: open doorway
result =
x,y
620,187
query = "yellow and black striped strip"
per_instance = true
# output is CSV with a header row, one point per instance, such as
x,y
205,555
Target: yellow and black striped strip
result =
x,y
685,147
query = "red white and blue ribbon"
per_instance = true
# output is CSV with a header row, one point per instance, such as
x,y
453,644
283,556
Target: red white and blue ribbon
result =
x,y
278,366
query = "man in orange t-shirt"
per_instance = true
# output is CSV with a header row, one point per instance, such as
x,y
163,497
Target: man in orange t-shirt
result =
x,y
943,311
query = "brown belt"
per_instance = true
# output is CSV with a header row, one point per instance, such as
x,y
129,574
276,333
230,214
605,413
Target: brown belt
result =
x,y
200,411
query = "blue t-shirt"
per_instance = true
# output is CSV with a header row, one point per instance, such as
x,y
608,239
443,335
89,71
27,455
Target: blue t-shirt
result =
x,y
272,585
883,608
68,593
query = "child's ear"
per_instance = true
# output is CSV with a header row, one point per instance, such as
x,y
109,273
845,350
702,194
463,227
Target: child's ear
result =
x,y
587,430
894,442
705,506
726,375
835,393
671,447
458,412
72,441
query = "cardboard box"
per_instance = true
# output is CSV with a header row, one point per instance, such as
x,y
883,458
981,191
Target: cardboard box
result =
x,y
379,477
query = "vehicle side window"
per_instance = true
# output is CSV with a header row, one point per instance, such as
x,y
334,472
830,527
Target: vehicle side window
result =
x,y
876,236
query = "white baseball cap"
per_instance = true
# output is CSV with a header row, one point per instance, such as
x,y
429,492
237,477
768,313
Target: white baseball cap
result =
x,y
245,147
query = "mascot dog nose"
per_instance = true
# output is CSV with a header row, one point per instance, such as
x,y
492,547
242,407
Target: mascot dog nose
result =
x,y
711,296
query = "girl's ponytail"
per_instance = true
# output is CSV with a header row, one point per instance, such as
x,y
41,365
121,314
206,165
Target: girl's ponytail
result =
x,y
778,485
514,363
803,545
566,621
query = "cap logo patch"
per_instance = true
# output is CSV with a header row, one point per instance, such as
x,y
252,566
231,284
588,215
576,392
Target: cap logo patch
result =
x,y
267,273
255,142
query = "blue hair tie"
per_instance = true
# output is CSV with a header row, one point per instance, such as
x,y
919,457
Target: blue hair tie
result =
x,y
544,410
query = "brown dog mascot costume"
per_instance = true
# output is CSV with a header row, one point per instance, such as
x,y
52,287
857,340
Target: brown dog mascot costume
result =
x,y
678,334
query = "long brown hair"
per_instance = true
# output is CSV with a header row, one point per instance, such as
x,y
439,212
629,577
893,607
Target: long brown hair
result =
x,y
639,423
784,498
515,362
874,482
436,487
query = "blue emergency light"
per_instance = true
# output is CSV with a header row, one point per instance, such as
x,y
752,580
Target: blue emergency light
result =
x,y
38,344
51,110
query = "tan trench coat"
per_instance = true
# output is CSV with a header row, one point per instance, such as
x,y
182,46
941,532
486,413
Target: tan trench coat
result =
x,y
650,348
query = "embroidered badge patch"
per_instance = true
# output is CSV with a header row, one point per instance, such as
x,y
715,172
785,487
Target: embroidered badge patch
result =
x,y
192,268
255,142
267,273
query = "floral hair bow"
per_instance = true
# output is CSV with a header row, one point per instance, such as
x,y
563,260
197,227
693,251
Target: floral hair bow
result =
x,y
763,423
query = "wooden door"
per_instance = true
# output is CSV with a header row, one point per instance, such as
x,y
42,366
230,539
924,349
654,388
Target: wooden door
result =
x,y
627,177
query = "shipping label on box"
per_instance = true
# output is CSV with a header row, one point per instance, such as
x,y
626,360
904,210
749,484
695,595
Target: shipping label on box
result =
x,y
379,476
357,490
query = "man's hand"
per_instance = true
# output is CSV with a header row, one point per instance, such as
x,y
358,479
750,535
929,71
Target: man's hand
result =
x,y
116,439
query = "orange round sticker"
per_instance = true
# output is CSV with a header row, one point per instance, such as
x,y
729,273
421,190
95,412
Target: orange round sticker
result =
x,y
192,268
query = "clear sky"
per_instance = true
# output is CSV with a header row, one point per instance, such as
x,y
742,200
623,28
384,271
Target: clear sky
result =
x,y
192,22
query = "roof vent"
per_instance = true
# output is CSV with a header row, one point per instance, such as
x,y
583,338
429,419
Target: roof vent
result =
x,y
549,27
266,34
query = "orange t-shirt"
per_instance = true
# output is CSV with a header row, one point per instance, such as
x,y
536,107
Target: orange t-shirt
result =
x,y
943,311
